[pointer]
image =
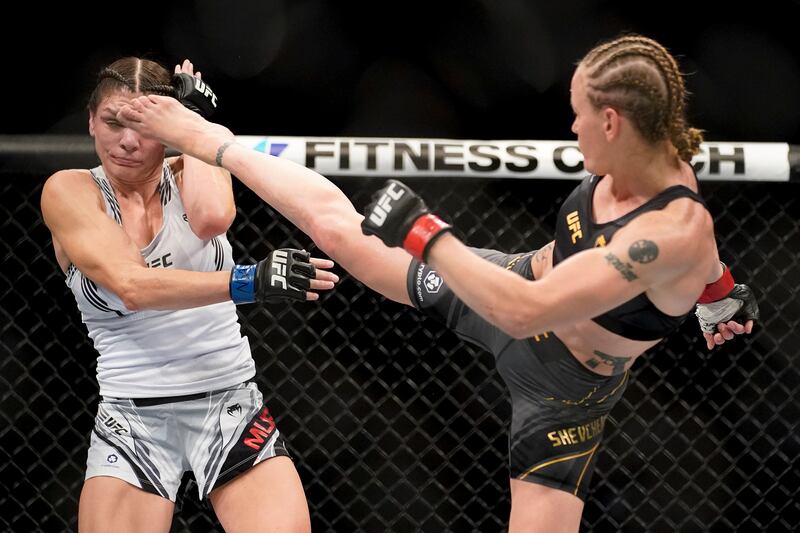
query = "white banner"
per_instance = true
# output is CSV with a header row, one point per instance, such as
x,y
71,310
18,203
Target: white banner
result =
x,y
395,157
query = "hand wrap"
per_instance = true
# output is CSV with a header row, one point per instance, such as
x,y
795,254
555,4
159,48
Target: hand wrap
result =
x,y
725,300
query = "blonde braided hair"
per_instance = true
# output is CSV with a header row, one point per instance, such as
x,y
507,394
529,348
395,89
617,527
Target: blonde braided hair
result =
x,y
639,77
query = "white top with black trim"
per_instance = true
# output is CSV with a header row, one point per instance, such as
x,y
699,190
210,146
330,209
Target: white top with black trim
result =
x,y
164,353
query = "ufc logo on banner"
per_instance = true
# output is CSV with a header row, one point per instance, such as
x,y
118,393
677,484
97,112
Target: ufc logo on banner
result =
x,y
278,279
206,90
384,205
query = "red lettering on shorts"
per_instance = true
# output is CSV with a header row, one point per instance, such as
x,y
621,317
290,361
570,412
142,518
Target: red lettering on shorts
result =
x,y
258,432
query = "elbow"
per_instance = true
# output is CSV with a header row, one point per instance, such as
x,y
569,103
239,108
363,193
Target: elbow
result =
x,y
210,225
334,229
128,291
516,329
130,288
327,232
132,304
518,333
505,321
515,320
330,220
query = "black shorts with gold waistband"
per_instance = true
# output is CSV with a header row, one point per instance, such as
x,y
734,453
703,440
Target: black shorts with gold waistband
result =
x,y
558,407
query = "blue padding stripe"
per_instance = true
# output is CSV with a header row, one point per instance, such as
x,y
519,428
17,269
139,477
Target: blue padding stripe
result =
x,y
243,284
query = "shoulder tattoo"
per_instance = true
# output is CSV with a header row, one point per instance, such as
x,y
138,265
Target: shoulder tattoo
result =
x,y
643,251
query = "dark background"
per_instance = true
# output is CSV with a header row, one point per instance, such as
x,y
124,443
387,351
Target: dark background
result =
x,y
492,69
396,425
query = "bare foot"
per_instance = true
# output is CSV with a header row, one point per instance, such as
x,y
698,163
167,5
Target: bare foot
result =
x,y
165,119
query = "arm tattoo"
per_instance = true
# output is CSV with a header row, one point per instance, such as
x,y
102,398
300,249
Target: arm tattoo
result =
x,y
643,251
626,269
220,151
543,253
617,364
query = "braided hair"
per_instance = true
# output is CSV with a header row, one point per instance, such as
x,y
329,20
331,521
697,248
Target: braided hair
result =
x,y
131,74
640,78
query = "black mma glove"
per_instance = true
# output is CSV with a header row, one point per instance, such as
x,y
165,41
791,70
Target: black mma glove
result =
x,y
725,300
400,218
285,274
195,94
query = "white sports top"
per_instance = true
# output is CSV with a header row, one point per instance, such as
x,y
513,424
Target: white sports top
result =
x,y
164,353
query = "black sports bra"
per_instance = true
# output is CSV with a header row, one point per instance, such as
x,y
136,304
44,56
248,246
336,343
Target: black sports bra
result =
x,y
638,318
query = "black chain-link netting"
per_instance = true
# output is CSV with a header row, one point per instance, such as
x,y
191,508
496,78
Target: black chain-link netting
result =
x,y
394,423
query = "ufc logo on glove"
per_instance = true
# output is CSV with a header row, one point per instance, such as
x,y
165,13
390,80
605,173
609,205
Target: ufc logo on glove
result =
x,y
279,266
205,90
285,273
399,217
384,205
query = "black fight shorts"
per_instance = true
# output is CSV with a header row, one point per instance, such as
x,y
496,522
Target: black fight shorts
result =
x,y
558,407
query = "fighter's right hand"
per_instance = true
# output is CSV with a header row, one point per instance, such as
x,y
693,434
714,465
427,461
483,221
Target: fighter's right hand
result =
x,y
399,217
722,319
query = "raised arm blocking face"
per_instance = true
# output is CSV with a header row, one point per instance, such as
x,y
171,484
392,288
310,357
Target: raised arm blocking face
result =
x,y
310,201
207,195
166,120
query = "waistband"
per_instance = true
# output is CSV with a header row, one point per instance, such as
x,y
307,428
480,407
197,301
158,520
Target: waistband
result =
x,y
557,346
149,402
161,400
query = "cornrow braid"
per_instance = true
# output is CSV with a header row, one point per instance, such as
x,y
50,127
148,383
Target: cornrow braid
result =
x,y
641,78
628,74
163,90
686,140
600,50
131,74
108,73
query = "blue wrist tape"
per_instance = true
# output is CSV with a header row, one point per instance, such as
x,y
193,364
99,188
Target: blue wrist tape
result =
x,y
243,284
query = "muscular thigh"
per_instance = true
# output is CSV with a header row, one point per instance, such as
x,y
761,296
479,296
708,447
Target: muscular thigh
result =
x,y
558,413
266,498
537,508
111,504
431,295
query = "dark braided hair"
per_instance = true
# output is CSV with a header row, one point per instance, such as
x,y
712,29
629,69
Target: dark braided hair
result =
x,y
640,78
131,74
